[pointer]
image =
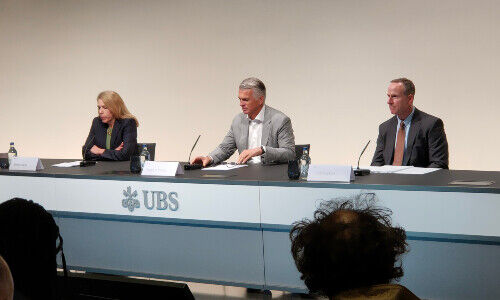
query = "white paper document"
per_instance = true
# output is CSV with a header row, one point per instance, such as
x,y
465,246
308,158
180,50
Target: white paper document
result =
x,y
68,164
386,169
330,173
409,170
417,171
224,167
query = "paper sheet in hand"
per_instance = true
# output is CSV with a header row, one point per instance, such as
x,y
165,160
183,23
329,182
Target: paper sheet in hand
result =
x,y
224,167
68,164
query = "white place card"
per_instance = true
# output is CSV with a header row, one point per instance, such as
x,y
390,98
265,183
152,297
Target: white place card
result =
x,y
330,173
25,164
162,168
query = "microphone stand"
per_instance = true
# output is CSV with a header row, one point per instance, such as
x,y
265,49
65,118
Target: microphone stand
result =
x,y
358,171
190,166
86,163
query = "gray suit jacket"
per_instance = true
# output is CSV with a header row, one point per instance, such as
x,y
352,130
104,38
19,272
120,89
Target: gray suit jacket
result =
x,y
426,147
277,137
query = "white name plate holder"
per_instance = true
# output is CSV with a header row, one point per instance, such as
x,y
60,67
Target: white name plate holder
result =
x,y
25,164
162,168
330,173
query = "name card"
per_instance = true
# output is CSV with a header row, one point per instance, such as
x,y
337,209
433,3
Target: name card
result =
x,y
330,173
25,164
162,168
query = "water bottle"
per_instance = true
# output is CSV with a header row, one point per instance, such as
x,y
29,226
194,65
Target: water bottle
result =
x,y
144,155
304,163
12,152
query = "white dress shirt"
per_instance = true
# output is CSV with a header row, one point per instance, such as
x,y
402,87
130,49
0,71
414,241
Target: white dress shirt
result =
x,y
255,134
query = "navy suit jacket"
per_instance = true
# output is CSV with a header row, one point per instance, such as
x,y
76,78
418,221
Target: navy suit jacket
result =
x,y
124,130
426,147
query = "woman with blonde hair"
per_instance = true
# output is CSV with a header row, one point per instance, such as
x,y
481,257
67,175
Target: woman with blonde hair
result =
x,y
113,135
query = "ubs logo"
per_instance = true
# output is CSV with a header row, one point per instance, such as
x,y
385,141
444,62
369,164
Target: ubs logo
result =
x,y
151,200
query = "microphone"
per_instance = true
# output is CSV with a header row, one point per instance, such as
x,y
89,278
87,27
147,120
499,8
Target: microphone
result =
x,y
86,163
358,171
190,166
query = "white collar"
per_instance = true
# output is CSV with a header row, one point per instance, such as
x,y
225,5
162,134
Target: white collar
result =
x,y
260,116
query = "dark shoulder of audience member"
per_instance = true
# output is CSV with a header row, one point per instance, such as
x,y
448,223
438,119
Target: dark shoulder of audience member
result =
x,y
349,244
28,235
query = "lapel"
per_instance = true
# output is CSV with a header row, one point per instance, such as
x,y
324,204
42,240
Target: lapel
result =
x,y
245,122
414,129
390,140
266,126
114,134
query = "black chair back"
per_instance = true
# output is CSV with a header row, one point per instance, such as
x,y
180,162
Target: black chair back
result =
x,y
151,149
299,149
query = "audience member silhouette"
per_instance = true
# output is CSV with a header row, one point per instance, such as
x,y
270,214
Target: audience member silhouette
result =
x,y
350,250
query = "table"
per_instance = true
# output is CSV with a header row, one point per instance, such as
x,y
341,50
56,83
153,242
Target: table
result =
x,y
232,227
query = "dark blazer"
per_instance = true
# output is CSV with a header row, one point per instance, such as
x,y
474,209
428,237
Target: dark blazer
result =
x,y
426,146
124,130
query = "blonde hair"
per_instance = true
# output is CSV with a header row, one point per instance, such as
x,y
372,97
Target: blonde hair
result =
x,y
116,106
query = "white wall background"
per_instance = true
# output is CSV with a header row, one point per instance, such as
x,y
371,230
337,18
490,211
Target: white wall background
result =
x,y
177,65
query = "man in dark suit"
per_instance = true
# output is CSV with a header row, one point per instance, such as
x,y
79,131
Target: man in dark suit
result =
x,y
411,137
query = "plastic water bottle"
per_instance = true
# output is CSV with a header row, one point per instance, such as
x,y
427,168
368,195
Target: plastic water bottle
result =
x,y
12,152
144,155
304,163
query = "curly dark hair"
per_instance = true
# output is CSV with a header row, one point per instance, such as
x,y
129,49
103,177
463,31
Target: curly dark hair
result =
x,y
349,244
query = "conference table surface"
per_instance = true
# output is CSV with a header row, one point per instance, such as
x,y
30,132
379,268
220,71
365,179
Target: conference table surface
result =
x,y
275,175
232,227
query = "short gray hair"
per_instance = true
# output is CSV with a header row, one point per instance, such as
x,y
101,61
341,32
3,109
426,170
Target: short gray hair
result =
x,y
258,87
407,84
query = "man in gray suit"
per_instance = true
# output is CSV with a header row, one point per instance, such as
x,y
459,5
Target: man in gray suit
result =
x,y
261,133
411,137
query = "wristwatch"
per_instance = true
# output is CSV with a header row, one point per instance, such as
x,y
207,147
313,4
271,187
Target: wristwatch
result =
x,y
263,149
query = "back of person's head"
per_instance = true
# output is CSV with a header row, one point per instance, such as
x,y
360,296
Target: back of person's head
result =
x,y
6,281
350,243
28,237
